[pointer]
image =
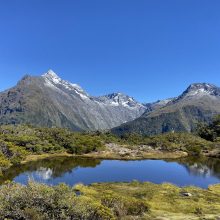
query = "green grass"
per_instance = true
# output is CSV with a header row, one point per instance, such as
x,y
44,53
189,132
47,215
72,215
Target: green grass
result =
x,y
102,201
167,198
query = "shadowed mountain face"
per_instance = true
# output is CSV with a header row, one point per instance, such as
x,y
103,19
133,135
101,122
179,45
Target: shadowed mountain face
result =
x,y
50,101
199,103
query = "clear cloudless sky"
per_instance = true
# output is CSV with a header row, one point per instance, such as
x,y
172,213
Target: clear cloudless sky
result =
x,y
149,49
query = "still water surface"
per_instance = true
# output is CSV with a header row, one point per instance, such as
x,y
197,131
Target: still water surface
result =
x,y
190,171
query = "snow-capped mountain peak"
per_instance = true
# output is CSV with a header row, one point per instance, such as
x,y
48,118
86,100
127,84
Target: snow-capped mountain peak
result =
x,y
119,99
53,80
51,73
201,89
52,76
198,90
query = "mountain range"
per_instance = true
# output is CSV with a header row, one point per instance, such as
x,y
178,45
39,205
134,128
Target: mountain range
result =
x,y
50,101
200,102
47,100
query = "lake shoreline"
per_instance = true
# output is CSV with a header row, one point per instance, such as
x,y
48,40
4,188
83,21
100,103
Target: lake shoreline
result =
x,y
114,152
107,156
121,152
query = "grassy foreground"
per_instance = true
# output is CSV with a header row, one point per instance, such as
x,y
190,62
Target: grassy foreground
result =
x,y
108,201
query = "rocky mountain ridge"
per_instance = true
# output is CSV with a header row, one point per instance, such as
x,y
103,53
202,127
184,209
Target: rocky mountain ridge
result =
x,y
200,102
48,100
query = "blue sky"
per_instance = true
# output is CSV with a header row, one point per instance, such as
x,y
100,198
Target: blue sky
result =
x,y
149,49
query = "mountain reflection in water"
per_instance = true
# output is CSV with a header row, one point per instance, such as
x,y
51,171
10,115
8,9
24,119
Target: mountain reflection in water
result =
x,y
186,171
44,173
205,167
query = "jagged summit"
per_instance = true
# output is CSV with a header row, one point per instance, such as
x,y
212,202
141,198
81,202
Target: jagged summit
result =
x,y
119,98
201,87
51,73
52,76
52,79
197,90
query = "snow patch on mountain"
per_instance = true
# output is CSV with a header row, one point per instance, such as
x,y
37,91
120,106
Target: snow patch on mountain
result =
x,y
119,99
198,90
53,80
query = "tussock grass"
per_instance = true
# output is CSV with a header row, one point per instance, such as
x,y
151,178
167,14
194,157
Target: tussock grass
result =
x,y
166,200
102,201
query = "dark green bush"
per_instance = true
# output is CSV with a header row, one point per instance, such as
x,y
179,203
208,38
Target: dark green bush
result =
x,y
210,132
16,142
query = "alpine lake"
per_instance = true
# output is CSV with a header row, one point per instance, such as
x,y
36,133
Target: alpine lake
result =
x,y
200,172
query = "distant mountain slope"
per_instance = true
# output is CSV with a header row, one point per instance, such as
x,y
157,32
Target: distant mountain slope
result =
x,y
50,101
200,102
158,104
